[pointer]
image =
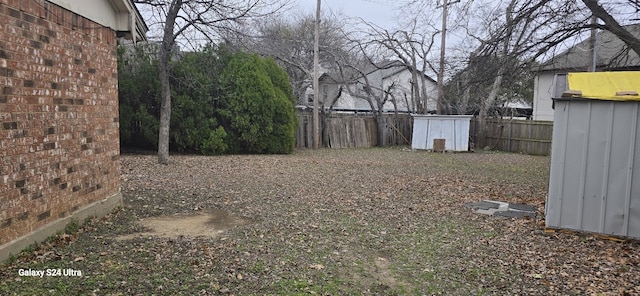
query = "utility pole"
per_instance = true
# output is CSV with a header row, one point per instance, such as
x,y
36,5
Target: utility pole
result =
x,y
316,71
594,44
443,40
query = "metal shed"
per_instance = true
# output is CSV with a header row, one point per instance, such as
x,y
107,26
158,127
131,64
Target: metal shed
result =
x,y
594,182
453,129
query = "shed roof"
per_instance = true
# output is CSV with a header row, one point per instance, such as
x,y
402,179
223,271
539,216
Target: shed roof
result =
x,y
610,86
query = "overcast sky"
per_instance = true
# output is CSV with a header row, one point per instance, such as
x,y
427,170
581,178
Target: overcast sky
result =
x,y
380,12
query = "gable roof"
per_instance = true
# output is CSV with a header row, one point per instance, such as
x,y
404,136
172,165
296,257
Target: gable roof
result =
x,y
611,52
386,68
402,68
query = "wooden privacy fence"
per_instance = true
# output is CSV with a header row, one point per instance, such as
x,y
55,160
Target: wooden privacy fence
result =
x,y
354,130
360,130
525,136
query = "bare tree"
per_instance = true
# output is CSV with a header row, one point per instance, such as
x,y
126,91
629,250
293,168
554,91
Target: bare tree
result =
x,y
468,89
513,37
515,34
202,18
550,24
412,48
354,74
290,42
512,34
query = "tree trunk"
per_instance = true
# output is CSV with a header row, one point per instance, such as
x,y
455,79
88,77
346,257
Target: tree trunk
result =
x,y
486,105
381,130
423,94
165,89
466,94
326,142
165,112
417,94
497,82
325,127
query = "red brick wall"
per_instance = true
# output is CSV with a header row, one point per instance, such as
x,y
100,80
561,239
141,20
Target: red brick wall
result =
x,y
59,145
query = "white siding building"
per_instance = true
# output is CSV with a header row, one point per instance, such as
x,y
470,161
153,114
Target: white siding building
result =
x,y
334,94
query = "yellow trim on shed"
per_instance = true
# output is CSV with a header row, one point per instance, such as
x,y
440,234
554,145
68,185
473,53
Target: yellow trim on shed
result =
x,y
610,86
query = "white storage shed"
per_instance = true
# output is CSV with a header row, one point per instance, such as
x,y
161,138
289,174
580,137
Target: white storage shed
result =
x,y
594,182
453,130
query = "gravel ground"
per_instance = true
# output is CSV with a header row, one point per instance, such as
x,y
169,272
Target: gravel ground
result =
x,y
328,222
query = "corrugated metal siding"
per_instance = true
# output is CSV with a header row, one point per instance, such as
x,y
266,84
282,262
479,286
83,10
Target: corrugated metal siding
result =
x,y
453,128
594,182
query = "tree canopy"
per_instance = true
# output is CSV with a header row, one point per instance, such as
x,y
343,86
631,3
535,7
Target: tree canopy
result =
x,y
196,19
224,102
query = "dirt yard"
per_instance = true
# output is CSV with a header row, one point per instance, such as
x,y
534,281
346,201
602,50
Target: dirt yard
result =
x,y
326,222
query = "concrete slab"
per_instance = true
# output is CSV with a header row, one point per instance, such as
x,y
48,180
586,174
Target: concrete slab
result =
x,y
502,209
483,205
515,214
96,209
522,207
486,212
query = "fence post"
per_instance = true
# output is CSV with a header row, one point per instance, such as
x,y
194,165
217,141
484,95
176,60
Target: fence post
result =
x,y
510,128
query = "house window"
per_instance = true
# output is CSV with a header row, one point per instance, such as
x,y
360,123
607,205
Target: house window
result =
x,y
310,98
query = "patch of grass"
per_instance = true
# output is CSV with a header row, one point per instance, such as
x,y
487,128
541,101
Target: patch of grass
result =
x,y
298,286
72,227
432,260
325,222
11,260
32,247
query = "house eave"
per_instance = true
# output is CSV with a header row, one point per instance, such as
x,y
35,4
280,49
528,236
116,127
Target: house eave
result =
x,y
120,15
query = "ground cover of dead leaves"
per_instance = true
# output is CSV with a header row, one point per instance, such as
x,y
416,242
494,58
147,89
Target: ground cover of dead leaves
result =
x,y
333,222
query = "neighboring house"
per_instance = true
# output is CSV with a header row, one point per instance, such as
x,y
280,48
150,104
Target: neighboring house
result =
x,y
516,109
59,138
334,94
611,55
402,78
